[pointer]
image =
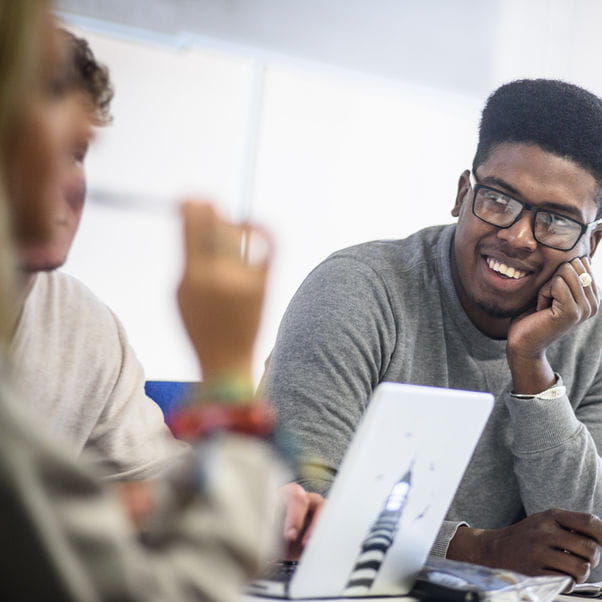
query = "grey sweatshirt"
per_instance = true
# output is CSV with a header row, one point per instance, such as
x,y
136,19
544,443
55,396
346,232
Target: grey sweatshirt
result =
x,y
388,311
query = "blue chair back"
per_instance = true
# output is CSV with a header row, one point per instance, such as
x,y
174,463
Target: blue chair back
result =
x,y
168,394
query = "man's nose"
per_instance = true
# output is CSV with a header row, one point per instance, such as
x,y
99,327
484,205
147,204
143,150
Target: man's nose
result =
x,y
520,234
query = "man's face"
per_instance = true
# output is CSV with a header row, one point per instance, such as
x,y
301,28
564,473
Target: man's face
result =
x,y
67,213
481,252
51,125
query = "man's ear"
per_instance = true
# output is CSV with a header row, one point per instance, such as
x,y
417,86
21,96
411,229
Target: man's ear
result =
x,y
463,190
595,237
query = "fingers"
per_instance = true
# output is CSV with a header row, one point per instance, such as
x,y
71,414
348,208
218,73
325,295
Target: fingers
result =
x,y
297,504
573,300
198,221
551,542
207,235
545,298
566,563
137,500
574,555
592,292
301,513
579,523
316,504
582,547
572,547
587,296
257,246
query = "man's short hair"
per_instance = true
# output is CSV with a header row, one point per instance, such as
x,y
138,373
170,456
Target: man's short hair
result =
x,y
90,77
561,118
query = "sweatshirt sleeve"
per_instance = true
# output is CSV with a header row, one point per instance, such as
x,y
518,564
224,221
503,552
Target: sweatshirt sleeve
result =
x,y
130,439
81,373
556,451
550,433
332,349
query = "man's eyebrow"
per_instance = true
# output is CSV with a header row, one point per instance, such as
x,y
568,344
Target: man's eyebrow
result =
x,y
499,183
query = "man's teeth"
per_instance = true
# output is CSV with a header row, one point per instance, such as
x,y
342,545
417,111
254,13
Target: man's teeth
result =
x,y
502,268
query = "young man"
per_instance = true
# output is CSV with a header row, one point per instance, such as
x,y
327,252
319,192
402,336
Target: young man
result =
x,y
498,302
71,350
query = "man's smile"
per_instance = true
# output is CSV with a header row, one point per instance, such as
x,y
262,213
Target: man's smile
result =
x,y
504,275
505,270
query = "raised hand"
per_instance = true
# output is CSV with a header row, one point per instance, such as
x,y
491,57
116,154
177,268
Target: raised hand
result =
x,y
222,290
563,303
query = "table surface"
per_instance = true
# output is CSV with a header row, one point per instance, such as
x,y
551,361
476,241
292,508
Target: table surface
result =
x,y
250,598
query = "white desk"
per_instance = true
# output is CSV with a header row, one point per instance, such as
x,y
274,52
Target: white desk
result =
x,y
249,598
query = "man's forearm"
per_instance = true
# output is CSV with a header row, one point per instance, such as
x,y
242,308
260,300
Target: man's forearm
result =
x,y
530,375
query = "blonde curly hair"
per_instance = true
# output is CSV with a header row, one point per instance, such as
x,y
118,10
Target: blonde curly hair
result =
x,y
90,77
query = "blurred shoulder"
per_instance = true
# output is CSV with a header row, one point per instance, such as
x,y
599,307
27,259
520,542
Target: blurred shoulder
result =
x,y
59,291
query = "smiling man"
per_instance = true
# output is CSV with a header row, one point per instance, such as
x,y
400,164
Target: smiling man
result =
x,y
501,301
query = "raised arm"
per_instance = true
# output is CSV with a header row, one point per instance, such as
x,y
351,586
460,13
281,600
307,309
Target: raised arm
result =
x,y
221,293
214,515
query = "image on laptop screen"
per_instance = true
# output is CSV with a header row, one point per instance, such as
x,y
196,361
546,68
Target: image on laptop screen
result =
x,y
391,494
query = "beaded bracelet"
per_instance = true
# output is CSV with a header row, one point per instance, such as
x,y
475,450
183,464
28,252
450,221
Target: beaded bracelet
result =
x,y
231,389
193,422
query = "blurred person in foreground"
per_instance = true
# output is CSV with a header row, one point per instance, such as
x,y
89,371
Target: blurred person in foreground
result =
x,y
72,352
65,537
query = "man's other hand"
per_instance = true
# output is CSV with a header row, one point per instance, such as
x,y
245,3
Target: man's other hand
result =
x,y
547,543
137,499
301,510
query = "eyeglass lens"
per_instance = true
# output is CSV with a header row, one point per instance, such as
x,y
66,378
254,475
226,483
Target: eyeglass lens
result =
x,y
503,211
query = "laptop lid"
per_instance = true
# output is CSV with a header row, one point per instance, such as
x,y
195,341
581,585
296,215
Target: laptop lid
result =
x,y
391,493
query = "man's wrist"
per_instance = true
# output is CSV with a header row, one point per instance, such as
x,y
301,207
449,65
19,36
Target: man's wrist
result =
x,y
465,545
530,375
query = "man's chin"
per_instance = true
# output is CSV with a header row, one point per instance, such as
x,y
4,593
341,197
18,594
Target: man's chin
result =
x,y
33,269
499,312
46,256
32,263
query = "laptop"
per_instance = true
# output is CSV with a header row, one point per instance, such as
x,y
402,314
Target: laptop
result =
x,y
390,496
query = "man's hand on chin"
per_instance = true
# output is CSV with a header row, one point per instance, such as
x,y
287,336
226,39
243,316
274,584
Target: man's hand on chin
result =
x,y
563,303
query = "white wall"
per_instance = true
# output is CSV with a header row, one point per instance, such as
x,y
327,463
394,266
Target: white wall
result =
x,y
178,128
341,158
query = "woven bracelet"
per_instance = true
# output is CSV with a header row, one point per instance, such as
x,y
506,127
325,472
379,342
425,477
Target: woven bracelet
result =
x,y
193,422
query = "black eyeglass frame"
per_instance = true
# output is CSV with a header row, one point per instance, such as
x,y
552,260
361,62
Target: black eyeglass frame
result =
x,y
585,228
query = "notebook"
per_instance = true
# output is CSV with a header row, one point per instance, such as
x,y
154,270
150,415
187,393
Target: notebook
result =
x,y
390,496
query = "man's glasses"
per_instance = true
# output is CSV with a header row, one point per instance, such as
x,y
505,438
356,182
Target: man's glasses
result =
x,y
550,229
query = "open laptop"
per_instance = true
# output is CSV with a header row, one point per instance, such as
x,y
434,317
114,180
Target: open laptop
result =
x,y
390,496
